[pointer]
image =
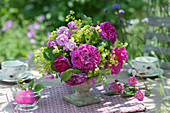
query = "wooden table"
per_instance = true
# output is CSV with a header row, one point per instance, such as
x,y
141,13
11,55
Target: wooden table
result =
x,y
152,102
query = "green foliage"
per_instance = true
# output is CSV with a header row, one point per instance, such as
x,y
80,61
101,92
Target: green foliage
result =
x,y
111,93
67,74
99,77
77,71
104,80
38,87
31,85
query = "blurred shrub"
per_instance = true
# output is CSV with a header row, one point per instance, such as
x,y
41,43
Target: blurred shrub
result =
x,y
16,44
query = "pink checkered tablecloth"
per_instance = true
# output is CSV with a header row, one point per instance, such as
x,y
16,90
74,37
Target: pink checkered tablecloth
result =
x,y
52,102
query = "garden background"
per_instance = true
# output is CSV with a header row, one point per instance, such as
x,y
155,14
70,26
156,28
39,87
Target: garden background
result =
x,y
26,24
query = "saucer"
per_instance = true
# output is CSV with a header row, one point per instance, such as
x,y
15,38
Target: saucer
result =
x,y
26,76
154,74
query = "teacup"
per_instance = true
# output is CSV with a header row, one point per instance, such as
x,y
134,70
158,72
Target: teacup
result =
x,y
13,69
145,64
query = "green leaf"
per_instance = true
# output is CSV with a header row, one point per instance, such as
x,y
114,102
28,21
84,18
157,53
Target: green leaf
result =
x,y
31,85
104,71
77,71
22,87
89,79
166,102
53,68
104,80
100,43
38,87
67,74
46,57
83,39
148,94
93,40
110,93
148,79
43,76
51,55
157,79
84,17
128,94
99,77
110,44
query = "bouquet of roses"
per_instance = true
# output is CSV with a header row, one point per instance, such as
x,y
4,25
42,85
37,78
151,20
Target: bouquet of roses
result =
x,y
81,52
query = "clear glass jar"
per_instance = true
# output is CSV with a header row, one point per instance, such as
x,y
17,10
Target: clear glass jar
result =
x,y
26,99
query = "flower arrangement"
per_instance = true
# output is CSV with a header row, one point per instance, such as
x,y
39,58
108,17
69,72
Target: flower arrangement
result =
x,y
81,52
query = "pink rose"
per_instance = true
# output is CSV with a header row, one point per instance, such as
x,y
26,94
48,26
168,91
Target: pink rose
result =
x,y
86,57
63,30
140,95
52,43
48,75
108,31
71,45
120,55
114,87
62,39
76,79
132,81
25,97
61,64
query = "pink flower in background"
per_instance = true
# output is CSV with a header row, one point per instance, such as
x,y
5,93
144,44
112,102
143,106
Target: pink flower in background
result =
x,y
121,11
76,79
36,25
62,39
52,43
9,23
92,81
115,6
153,10
106,10
114,87
85,57
30,27
61,64
41,17
48,34
29,55
31,34
32,41
131,22
71,45
42,44
163,9
132,81
3,28
140,95
108,31
120,87
115,69
38,49
25,97
72,25
48,75
120,55
145,20
63,30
